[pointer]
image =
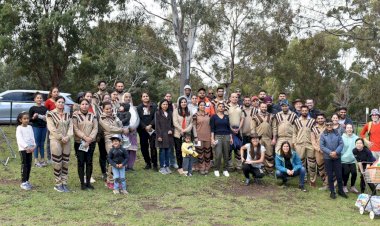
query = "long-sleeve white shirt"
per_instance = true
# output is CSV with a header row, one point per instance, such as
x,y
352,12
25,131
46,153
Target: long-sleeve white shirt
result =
x,y
25,137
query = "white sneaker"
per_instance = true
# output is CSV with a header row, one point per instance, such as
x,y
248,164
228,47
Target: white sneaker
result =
x,y
25,186
92,180
163,171
354,190
226,174
216,173
345,189
168,170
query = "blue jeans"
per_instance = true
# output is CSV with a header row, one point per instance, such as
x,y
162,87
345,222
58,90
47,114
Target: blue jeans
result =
x,y
119,177
39,137
300,172
164,157
188,164
172,160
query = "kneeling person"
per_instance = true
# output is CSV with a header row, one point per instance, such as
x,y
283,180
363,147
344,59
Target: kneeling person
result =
x,y
288,164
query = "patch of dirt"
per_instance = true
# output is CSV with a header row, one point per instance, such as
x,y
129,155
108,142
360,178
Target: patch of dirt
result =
x,y
4,181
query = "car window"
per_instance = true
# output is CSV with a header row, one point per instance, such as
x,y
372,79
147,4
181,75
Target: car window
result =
x,y
28,97
14,96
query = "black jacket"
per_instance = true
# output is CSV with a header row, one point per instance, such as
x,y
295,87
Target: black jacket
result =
x,y
148,119
118,156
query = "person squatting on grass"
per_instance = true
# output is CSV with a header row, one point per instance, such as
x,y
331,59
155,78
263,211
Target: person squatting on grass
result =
x,y
188,154
252,158
61,130
37,116
26,145
289,164
118,158
332,145
85,127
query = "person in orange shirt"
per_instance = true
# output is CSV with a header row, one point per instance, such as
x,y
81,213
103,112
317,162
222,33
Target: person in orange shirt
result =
x,y
373,130
209,108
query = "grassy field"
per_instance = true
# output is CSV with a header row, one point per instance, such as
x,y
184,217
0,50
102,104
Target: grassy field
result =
x,y
156,199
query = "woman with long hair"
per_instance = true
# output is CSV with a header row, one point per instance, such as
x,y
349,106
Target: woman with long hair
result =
x,y
164,135
253,154
37,115
85,130
60,127
202,134
183,123
288,164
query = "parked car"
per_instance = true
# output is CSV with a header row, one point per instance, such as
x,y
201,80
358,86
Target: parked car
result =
x,y
12,102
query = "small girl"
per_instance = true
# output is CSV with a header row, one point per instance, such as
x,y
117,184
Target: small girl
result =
x,y
26,145
188,152
125,116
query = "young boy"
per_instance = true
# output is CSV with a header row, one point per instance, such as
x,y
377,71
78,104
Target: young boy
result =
x,y
188,153
125,116
118,158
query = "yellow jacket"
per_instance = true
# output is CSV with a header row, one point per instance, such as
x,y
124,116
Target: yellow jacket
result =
x,y
188,149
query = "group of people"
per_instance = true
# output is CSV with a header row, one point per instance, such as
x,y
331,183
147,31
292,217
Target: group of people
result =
x,y
198,132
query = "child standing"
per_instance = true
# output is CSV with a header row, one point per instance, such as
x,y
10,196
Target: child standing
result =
x,y
26,145
188,152
118,158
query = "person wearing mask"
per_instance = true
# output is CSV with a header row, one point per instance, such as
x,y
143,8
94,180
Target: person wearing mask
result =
x,y
252,158
183,123
85,127
164,138
302,143
372,128
146,111
332,145
318,129
285,125
102,90
348,159
221,139
202,134
264,124
60,127
288,164
37,116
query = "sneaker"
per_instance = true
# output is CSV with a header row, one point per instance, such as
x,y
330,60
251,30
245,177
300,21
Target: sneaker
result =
x,y
345,190
163,171
175,166
43,164
342,194
189,174
180,171
226,174
116,192
147,167
59,188
25,186
184,173
216,173
110,185
247,180
333,195
89,186
92,180
202,172
168,170
324,188
354,190
302,188
29,184
155,168
83,187
38,164
65,188
124,192
49,162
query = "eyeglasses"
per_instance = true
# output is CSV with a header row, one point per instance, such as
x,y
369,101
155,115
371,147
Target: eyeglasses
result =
x,y
329,124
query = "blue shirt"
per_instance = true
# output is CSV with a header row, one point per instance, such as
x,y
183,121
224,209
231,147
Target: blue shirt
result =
x,y
220,126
